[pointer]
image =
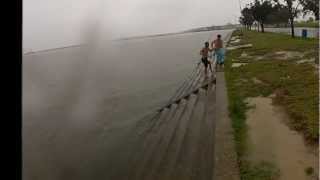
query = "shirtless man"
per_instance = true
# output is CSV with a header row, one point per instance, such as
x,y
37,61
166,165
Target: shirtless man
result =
x,y
205,52
217,45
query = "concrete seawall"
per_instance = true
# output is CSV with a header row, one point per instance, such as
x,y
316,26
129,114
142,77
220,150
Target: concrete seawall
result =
x,y
225,164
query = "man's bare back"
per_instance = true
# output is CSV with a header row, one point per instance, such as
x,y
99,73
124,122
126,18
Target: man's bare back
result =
x,y
217,44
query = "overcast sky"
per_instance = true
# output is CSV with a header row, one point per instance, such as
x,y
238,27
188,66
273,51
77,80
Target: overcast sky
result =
x,y
53,23
56,23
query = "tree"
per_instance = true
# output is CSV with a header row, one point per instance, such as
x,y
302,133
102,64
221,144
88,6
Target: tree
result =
x,y
260,11
279,15
247,18
311,6
310,19
293,12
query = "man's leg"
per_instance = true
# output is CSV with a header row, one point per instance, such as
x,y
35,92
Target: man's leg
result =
x,y
216,61
210,66
205,70
216,65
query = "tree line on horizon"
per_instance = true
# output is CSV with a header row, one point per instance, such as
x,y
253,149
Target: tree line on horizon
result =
x,y
262,12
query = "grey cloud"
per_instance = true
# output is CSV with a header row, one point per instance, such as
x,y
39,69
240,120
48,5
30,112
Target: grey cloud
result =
x,y
58,23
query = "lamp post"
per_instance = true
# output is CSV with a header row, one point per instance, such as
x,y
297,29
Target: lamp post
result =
x,y
240,5
240,13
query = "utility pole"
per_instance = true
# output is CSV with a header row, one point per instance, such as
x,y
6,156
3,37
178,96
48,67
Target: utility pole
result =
x,y
240,5
240,9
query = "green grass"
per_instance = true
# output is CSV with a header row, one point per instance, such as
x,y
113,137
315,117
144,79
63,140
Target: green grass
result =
x,y
270,42
295,86
261,171
314,24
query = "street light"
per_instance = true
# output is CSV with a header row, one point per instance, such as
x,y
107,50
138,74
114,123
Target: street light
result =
x,y
240,5
240,9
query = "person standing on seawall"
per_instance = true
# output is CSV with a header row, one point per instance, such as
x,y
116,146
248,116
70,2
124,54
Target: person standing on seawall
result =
x,y
205,53
217,45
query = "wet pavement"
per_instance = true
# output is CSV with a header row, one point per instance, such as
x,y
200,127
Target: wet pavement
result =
x,y
90,112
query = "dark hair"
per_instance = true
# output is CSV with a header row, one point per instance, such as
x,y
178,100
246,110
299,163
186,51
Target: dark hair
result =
x,y
206,43
219,36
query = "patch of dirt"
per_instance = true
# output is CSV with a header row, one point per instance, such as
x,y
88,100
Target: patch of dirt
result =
x,y
311,60
235,65
259,58
245,55
285,77
243,80
288,54
270,139
257,81
281,55
239,47
235,41
234,38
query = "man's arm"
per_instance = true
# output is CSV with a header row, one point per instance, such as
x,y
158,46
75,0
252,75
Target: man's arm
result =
x,y
214,44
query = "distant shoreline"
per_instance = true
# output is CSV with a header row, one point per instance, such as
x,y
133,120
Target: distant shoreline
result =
x,y
201,29
51,49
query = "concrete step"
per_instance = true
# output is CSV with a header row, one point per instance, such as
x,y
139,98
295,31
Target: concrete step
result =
x,y
168,162
166,145
189,152
151,142
177,142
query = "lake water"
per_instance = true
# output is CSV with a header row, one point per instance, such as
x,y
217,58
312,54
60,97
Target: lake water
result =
x,y
78,103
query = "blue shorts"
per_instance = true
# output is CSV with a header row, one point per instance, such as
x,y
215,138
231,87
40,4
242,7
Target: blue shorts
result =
x,y
220,56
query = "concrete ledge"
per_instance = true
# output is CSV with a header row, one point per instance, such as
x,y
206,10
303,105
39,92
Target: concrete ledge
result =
x,y
225,163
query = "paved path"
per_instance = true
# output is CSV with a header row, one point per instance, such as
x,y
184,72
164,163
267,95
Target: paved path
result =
x,y
226,167
225,163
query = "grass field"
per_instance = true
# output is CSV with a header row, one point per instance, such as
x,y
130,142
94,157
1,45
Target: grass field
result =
x,y
295,87
314,24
